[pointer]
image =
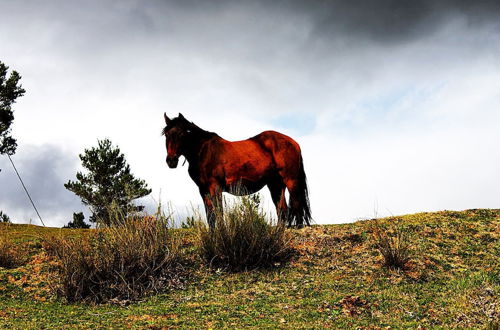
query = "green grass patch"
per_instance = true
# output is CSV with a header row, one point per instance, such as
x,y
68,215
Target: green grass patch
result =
x,y
337,279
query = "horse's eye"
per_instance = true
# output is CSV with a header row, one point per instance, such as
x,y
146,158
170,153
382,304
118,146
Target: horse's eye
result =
x,y
188,131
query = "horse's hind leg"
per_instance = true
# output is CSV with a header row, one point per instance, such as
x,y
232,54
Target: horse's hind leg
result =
x,y
295,217
277,189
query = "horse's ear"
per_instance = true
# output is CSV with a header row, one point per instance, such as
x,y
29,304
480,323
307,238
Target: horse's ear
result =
x,y
167,120
181,116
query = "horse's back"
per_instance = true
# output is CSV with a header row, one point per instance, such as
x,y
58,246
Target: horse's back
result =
x,y
276,141
283,148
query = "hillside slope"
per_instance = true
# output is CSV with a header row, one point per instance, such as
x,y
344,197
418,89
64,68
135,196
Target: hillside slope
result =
x,y
335,280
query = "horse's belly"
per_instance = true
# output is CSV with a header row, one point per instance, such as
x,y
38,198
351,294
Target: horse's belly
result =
x,y
243,187
246,167
247,178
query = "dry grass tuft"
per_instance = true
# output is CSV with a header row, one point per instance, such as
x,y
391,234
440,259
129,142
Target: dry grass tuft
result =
x,y
11,255
393,243
119,263
243,238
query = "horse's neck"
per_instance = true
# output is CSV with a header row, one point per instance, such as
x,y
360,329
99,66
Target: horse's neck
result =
x,y
193,154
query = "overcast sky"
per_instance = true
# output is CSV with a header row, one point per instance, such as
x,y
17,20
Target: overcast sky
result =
x,y
396,104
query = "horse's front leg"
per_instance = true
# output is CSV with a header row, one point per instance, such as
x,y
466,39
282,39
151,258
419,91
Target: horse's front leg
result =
x,y
212,199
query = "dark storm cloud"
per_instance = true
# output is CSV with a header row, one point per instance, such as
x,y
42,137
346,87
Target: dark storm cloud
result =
x,y
99,24
105,33
388,21
391,21
44,170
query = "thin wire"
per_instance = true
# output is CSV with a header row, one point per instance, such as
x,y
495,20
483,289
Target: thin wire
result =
x,y
26,190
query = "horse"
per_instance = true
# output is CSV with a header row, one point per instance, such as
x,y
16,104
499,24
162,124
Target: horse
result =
x,y
217,165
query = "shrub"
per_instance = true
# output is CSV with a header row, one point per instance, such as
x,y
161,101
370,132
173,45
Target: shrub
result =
x,y
243,239
11,256
118,263
4,217
189,222
393,243
78,221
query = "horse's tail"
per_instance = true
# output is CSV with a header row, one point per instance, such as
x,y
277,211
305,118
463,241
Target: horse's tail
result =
x,y
299,200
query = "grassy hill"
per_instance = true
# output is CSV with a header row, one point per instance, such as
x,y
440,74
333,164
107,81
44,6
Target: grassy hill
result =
x,y
336,279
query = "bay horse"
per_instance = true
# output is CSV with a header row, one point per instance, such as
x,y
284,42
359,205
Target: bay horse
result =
x,y
217,165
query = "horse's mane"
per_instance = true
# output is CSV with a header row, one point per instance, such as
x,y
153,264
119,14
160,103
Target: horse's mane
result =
x,y
181,121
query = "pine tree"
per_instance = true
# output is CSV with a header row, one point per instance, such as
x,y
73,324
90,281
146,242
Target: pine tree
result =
x,y
9,92
78,221
107,183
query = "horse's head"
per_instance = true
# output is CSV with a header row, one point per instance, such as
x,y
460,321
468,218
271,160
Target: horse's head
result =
x,y
176,133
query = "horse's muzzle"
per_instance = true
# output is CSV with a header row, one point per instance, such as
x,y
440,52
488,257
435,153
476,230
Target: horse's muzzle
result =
x,y
172,161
